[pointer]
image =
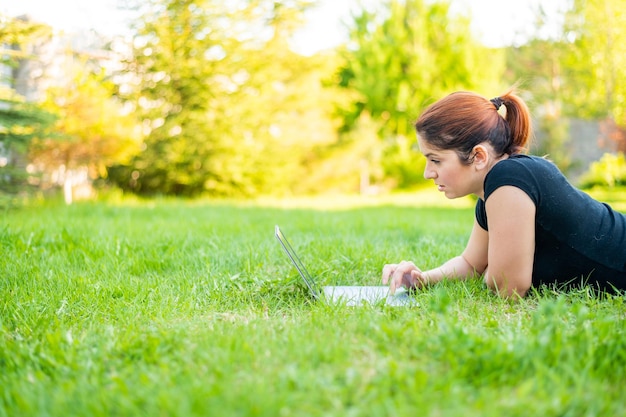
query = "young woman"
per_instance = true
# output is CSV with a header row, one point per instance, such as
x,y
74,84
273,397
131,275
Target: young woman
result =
x,y
531,226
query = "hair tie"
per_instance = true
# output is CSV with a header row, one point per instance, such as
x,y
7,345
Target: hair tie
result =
x,y
497,102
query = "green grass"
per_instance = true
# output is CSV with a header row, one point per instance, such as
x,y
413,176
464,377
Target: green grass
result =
x,y
171,308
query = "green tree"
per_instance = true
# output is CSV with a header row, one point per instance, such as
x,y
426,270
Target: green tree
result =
x,y
596,61
576,73
92,130
20,121
400,59
540,66
223,98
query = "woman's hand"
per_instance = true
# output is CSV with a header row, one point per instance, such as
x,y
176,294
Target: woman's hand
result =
x,y
405,274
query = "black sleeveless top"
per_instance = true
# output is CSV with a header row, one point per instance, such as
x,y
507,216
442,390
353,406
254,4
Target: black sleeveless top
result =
x,y
578,240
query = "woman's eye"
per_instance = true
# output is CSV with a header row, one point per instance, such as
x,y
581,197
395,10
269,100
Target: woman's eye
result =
x,y
434,161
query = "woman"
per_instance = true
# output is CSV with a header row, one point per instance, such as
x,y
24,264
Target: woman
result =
x,y
531,226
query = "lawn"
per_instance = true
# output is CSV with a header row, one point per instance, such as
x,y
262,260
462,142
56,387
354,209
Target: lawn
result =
x,y
174,308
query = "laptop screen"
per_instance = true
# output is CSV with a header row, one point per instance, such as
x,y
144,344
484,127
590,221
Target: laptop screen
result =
x,y
297,262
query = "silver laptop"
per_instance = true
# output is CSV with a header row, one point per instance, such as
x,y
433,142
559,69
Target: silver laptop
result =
x,y
348,295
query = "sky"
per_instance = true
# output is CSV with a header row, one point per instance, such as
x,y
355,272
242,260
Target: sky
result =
x,y
494,22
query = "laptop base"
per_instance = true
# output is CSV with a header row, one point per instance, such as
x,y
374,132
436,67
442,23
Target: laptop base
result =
x,y
364,295
346,295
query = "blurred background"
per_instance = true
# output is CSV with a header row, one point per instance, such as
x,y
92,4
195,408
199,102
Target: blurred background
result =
x,y
248,98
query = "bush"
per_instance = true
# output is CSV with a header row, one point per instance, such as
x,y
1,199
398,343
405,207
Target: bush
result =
x,y
609,171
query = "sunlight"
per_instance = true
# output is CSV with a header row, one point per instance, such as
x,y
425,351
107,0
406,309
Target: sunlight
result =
x,y
424,197
494,22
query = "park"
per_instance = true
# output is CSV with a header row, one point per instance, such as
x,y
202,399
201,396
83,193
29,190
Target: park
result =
x,y
139,195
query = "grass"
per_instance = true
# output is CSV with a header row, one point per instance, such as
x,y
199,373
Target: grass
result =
x,y
179,308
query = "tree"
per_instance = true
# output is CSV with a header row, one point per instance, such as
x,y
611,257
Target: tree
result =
x,y
576,73
401,58
92,130
285,111
540,64
214,86
596,61
19,121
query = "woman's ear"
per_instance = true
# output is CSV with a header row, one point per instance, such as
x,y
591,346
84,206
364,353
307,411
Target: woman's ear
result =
x,y
481,157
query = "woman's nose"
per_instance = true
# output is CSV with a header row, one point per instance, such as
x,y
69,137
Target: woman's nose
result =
x,y
429,174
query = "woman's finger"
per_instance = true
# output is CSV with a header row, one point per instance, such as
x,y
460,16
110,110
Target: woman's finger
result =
x,y
388,271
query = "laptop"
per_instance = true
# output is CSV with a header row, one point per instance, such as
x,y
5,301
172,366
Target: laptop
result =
x,y
344,294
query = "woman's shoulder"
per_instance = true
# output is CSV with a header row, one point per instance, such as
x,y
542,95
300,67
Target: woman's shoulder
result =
x,y
530,173
522,161
525,166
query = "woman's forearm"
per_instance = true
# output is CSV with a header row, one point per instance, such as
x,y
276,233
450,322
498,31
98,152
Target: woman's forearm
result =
x,y
455,268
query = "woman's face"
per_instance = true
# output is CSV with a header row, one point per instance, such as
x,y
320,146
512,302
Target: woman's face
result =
x,y
452,177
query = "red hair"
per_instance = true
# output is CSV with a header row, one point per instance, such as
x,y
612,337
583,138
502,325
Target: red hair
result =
x,y
462,120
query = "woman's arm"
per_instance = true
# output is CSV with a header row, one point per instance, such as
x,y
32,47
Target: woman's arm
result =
x,y
472,260
511,216
505,254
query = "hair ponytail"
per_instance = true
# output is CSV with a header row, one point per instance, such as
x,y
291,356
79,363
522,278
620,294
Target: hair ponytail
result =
x,y
462,120
518,118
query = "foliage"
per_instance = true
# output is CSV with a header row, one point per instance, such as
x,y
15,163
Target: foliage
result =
x,y
609,171
191,309
227,107
92,129
576,73
553,131
20,121
613,196
15,34
597,61
400,58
